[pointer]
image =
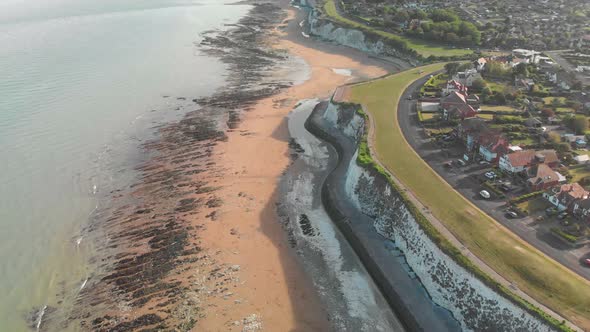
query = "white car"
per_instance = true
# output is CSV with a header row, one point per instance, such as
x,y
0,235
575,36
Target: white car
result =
x,y
490,175
484,194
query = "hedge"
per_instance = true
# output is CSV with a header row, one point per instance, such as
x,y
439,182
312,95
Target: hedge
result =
x,y
564,235
526,197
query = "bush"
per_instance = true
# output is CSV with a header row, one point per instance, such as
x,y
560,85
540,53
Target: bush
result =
x,y
526,197
493,189
568,237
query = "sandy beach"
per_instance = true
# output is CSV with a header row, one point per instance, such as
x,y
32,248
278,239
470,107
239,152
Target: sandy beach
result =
x,y
247,232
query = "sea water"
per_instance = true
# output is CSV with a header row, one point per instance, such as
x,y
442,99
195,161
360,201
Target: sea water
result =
x,y
82,84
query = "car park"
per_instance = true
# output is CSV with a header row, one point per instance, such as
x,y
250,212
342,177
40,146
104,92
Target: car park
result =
x,y
484,194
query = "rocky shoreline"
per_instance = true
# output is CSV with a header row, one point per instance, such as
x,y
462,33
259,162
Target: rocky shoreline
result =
x,y
152,271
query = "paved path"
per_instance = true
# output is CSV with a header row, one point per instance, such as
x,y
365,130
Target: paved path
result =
x,y
415,140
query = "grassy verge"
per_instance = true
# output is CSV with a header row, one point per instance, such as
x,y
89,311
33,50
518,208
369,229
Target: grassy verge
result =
x,y
423,48
543,279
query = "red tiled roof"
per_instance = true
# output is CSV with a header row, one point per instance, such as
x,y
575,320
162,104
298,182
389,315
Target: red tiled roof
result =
x,y
454,97
525,157
542,174
571,192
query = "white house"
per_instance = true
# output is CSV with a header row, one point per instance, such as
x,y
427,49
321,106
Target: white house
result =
x,y
467,77
582,159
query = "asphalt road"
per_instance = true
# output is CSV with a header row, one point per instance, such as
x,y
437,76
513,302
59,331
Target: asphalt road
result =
x,y
462,181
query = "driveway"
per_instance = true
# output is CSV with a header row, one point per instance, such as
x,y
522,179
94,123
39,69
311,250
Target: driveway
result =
x,y
464,182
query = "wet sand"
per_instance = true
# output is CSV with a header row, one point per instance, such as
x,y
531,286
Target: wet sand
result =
x,y
247,231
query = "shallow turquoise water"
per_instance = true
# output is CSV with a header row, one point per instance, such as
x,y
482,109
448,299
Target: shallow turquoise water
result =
x,y
78,83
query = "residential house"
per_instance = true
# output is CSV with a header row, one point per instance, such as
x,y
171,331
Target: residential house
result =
x,y
469,131
566,196
520,161
492,146
582,209
576,141
455,105
541,177
525,84
467,77
480,64
454,86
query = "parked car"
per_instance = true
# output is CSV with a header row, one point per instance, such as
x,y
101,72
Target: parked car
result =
x,y
562,215
551,211
511,214
448,164
484,194
506,187
484,162
587,261
461,162
490,175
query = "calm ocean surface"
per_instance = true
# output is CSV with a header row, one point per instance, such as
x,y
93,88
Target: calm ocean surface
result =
x,y
78,82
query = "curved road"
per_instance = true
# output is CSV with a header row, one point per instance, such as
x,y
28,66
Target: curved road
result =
x,y
431,154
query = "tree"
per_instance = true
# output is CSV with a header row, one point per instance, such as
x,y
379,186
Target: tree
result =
x,y
478,85
452,68
555,102
580,124
521,70
547,113
553,137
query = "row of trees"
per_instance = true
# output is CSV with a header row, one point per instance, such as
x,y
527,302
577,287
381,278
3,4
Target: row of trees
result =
x,y
440,25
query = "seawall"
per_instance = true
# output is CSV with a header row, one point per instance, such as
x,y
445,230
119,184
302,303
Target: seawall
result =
x,y
383,231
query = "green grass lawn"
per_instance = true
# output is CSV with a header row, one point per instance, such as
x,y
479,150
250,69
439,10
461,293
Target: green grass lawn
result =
x,y
486,116
428,116
542,278
496,86
549,100
424,48
534,205
498,108
579,173
564,110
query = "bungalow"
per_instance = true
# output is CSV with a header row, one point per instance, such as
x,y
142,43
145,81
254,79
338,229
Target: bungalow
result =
x,y
492,146
541,177
565,196
519,161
